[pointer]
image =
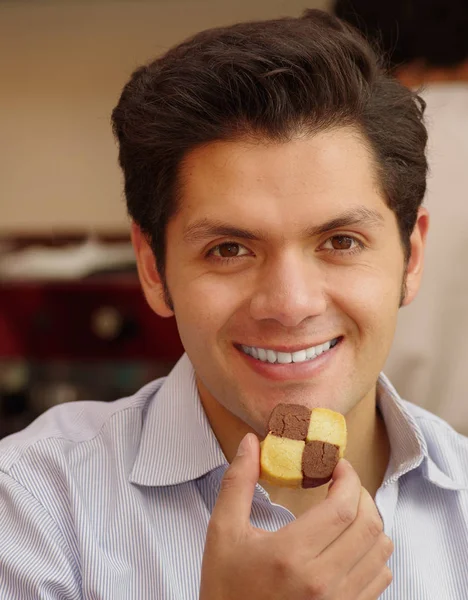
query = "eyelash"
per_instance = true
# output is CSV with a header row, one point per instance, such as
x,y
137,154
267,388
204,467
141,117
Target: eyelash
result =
x,y
359,246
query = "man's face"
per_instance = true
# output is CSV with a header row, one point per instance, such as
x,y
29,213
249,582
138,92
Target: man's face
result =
x,y
285,269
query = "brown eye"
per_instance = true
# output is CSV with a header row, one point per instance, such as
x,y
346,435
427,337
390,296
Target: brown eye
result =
x,y
342,242
228,250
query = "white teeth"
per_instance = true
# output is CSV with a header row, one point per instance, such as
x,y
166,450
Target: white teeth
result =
x,y
299,356
271,356
284,357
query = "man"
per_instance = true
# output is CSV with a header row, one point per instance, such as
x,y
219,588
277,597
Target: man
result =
x,y
274,176
426,43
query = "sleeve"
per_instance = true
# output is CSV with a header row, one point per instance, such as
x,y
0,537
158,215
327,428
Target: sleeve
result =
x,y
36,563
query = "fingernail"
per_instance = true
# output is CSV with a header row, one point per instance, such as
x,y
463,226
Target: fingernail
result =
x,y
244,445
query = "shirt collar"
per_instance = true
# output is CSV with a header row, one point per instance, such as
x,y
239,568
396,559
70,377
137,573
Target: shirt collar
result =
x,y
409,449
178,445
177,442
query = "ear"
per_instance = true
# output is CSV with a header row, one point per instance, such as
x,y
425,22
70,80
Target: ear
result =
x,y
151,282
415,265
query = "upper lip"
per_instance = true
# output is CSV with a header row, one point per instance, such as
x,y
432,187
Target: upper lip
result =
x,y
290,349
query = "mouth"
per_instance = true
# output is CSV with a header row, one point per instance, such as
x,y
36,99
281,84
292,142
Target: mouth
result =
x,y
273,356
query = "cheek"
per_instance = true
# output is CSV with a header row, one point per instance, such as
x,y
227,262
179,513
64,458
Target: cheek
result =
x,y
369,296
204,306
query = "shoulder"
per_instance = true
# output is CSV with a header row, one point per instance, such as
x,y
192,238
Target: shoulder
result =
x,y
446,447
66,428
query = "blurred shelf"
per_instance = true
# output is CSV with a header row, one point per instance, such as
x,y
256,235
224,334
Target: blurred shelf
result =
x,y
99,317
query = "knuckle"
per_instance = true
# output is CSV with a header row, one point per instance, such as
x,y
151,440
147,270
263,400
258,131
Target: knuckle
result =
x,y
387,577
284,569
318,588
375,526
284,566
344,515
387,546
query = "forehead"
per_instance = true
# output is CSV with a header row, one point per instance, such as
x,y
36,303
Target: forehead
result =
x,y
307,178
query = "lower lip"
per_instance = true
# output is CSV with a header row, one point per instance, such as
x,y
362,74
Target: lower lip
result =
x,y
292,371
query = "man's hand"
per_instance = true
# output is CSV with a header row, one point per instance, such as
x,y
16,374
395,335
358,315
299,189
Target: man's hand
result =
x,y
335,551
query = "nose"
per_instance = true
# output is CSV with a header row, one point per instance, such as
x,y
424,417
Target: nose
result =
x,y
289,290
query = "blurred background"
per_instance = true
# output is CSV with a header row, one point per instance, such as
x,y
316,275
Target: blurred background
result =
x,y
73,322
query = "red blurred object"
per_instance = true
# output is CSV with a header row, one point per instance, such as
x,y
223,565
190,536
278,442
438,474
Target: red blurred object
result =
x,y
97,318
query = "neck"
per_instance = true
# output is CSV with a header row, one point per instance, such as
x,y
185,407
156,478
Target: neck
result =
x,y
368,444
368,448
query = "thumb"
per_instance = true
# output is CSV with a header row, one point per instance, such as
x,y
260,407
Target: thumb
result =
x,y
346,485
237,488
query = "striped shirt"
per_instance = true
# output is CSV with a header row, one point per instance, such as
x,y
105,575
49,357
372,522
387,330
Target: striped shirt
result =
x,y
112,500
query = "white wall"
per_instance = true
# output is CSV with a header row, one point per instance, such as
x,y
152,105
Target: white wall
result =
x,y
62,66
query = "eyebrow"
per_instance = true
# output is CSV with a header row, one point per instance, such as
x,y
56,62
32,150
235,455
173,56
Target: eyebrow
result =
x,y
204,229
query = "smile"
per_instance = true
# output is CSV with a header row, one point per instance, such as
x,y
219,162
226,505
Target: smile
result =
x,y
272,356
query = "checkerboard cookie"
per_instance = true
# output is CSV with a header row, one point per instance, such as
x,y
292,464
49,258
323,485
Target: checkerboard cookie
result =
x,y
303,446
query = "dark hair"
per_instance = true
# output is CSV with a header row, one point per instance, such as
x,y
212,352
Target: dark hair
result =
x,y
433,31
264,80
